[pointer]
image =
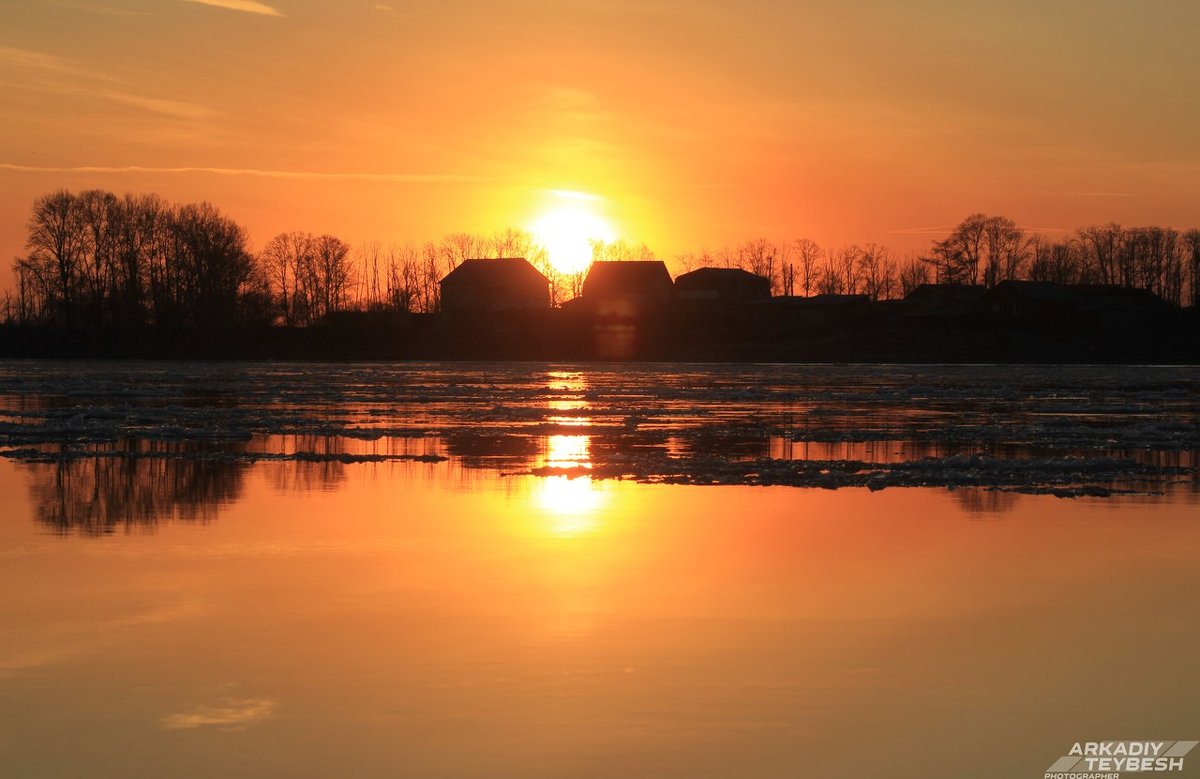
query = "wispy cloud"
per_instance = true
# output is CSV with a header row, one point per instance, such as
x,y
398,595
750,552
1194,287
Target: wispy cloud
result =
x,y
173,108
1039,230
301,175
934,230
248,6
40,60
99,9
231,715
1078,193
60,68
946,229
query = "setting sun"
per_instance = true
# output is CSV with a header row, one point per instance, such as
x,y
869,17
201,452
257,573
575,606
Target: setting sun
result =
x,y
567,229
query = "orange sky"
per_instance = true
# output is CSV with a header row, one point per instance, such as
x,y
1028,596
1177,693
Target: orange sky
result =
x,y
698,123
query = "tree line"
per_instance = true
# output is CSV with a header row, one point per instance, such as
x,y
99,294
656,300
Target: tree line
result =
x,y
95,259
980,250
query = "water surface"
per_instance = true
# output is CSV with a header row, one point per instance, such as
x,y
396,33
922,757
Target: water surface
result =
x,y
481,605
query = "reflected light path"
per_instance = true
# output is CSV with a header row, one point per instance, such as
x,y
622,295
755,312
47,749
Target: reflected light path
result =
x,y
567,392
572,502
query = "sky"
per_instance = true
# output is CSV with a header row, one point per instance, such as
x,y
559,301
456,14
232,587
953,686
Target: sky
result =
x,y
681,124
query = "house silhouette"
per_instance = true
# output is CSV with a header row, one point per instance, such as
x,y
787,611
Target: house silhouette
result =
x,y
1049,303
505,284
627,288
723,285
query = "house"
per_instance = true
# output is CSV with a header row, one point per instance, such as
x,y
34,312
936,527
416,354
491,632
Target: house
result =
x,y
1044,302
936,304
1035,301
506,284
945,295
627,288
722,285
1114,302
820,311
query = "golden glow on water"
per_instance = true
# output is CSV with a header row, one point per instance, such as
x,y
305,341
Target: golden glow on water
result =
x,y
573,504
548,627
568,451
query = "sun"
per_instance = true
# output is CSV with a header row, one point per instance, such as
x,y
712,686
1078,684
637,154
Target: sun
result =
x,y
567,230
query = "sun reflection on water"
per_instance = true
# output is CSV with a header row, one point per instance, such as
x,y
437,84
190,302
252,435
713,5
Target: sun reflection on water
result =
x,y
568,451
572,505
570,501
567,391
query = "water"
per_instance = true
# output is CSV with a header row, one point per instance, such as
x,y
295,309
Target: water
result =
x,y
379,571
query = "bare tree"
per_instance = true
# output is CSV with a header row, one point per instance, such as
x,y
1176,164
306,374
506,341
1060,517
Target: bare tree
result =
x,y
1005,249
1191,239
956,258
846,265
334,275
758,257
808,257
913,273
55,248
287,258
877,272
214,266
404,279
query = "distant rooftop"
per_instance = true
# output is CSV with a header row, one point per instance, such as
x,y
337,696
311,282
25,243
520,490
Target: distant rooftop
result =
x,y
482,269
606,277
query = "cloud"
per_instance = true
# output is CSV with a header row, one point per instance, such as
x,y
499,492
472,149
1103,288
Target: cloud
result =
x,y
946,229
173,108
236,714
64,67
299,175
1053,193
42,61
98,9
934,230
1034,229
248,6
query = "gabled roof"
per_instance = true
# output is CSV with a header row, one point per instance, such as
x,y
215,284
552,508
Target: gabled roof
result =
x,y
1117,293
626,276
1041,291
945,293
495,272
719,277
1085,295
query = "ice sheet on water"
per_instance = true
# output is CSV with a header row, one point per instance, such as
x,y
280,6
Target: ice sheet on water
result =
x,y
1029,427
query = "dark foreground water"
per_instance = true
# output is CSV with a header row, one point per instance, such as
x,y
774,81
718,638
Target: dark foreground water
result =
x,y
435,571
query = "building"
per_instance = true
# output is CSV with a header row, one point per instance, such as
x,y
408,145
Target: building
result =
x,y
946,295
506,284
627,288
1048,303
820,311
941,305
722,285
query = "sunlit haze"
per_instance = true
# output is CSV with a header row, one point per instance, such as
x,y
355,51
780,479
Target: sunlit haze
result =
x,y
567,228
689,124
